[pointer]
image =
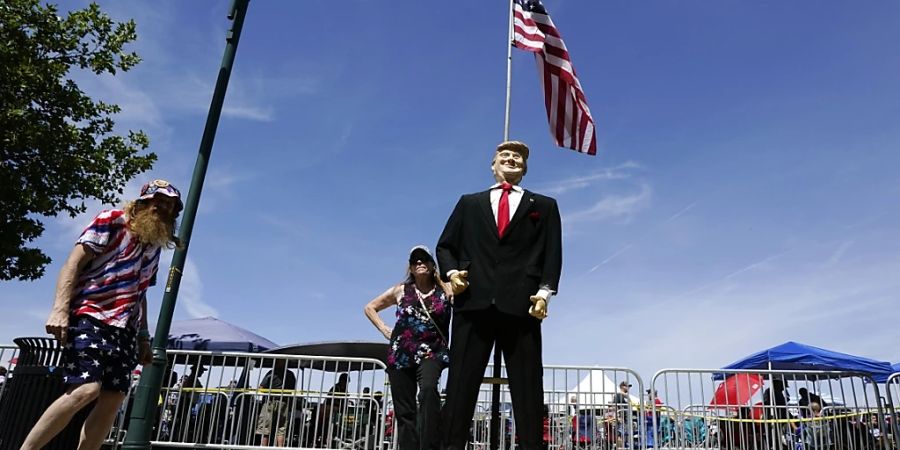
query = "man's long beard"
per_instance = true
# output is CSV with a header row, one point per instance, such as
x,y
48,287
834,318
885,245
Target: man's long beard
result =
x,y
151,228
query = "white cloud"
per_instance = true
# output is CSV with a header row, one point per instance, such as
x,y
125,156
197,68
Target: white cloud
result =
x,y
190,293
257,113
680,213
152,91
839,253
192,93
219,187
249,97
621,194
620,172
224,179
762,264
156,87
609,258
613,206
765,263
139,110
281,225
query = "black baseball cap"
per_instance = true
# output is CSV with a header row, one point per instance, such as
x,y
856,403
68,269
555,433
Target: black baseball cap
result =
x,y
420,253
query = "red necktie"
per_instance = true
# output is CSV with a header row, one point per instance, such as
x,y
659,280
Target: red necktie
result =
x,y
503,209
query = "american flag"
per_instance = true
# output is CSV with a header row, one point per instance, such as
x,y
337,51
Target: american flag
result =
x,y
570,118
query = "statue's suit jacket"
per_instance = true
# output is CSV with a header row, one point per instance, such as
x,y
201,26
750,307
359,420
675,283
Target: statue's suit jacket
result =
x,y
505,272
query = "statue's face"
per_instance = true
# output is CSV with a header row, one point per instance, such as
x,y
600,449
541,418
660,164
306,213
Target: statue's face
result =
x,y
508,166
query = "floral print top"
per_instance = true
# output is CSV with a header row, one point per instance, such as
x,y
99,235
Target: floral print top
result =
x,y
415,337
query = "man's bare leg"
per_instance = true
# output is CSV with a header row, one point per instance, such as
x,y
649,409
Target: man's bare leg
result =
x,y
100,420
59,414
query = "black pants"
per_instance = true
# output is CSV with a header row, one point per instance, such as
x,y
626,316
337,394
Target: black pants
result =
x,y
519,338
417,428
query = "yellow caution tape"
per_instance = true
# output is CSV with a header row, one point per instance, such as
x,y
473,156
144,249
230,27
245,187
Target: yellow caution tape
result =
x,y
260,391
794,420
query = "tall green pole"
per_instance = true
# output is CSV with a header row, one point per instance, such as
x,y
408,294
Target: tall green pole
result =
x,y
147,392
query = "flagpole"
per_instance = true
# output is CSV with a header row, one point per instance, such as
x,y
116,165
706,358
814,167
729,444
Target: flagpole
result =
x,y
509,46
143,414
494,431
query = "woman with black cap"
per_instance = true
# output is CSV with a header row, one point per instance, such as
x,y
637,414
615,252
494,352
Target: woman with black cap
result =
x,y
418,351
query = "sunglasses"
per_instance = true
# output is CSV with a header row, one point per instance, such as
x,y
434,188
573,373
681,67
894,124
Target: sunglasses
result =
x,y
415,261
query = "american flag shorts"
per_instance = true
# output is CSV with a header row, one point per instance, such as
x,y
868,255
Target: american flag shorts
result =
x,y
96,352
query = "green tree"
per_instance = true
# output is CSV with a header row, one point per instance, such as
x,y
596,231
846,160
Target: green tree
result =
x,y
57,145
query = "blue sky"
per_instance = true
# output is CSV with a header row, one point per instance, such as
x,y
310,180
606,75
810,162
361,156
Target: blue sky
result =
x,y
744,192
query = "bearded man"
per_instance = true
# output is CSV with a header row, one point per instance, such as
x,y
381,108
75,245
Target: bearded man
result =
x,y
502,249
99,315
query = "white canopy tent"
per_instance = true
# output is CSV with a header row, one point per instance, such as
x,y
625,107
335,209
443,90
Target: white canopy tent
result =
x,y
596,388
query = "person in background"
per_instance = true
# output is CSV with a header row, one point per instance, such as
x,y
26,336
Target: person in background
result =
x,y
653,394
187,393
622,397
329,417
653,413
816,433
338,393
99,315
379,398
775,400
418,351
277,409
806,399
192,379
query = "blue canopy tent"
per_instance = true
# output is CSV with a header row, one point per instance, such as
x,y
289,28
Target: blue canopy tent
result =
x,y
883,378
796,356
213,334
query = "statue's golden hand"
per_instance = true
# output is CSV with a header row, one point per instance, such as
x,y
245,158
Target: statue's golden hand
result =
x,y
538,307
458,281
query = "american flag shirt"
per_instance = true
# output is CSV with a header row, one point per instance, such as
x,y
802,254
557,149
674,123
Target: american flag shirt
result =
x,y
110,288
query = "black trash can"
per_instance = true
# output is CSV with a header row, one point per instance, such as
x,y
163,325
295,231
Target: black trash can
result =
x,y
35,383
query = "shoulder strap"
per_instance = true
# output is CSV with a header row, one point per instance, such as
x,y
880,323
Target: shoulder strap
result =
x,y
436,327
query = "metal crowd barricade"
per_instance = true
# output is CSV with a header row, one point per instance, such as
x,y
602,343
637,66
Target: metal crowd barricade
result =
x,y
228,400
116,436
587,408
482,419
8,355
892,409
858,428
581,410
763,410
701,426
